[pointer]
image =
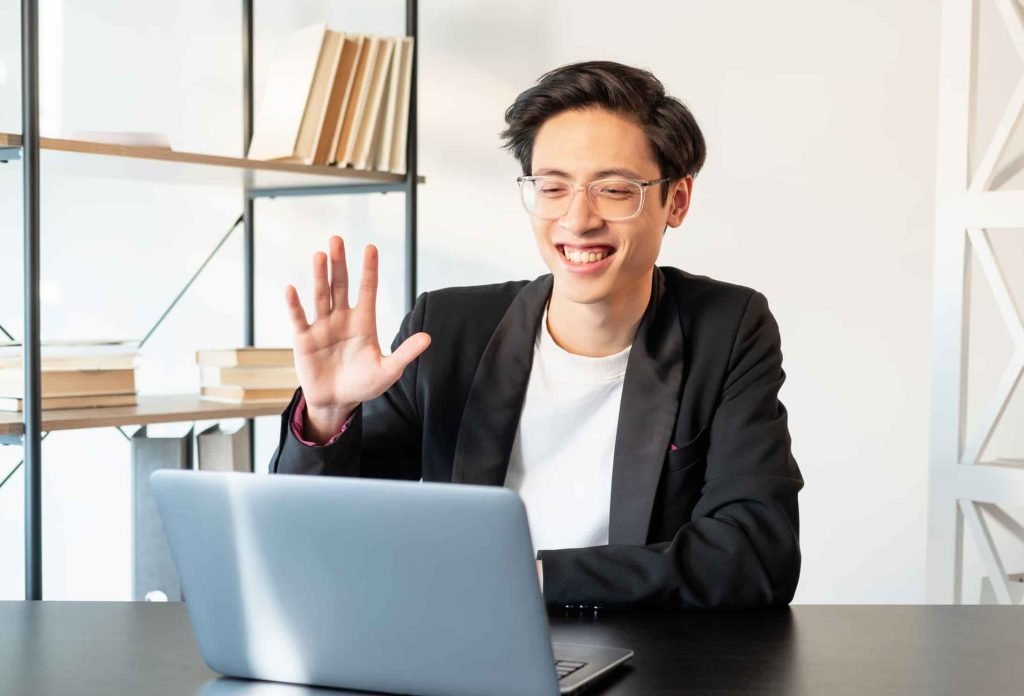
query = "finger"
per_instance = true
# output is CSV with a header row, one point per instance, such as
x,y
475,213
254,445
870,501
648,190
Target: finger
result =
x,y
410,349
368,285
321,293
339,274
295,311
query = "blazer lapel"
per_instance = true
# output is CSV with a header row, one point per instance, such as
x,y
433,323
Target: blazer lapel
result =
x,y
647,416
495,400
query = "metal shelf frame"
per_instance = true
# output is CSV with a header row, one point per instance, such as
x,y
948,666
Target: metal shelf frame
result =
x,y
29,151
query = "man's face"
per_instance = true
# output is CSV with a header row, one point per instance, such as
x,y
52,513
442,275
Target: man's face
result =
x,y
583,146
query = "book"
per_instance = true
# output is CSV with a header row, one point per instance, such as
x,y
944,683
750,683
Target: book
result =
x,y
242,395
70,382
345,152
341,93
58,402
75,355
248,357
386,128
367,129
378,133
315,114
283,104
250,377
400,139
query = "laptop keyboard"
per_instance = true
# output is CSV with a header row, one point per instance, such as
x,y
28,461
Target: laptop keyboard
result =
x,y
567,667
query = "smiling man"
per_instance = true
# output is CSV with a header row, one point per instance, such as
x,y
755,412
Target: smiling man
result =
x,y
633,407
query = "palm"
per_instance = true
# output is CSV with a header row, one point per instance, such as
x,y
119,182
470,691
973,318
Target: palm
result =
x,y
338,358
330,343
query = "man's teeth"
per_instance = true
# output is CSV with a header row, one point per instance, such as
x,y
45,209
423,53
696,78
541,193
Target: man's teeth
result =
x,y
584,256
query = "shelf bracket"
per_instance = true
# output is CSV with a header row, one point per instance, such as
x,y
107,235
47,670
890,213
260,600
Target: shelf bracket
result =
x,y
9,154
190,281
5,438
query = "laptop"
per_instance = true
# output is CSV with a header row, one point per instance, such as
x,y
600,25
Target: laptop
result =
x,y
408,587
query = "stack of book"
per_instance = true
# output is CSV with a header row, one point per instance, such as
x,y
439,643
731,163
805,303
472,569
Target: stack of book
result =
x,y
247,375
336,99
74,375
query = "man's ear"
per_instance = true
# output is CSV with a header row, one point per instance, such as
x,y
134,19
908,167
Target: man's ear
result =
x,y
679,201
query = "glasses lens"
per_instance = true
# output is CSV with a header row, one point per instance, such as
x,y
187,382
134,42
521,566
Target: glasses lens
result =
x,y
546,197
615,199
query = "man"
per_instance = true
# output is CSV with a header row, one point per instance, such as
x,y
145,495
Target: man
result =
x,y
634,408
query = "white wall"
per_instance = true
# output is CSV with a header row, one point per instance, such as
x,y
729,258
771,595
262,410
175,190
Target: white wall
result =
x,y
818,191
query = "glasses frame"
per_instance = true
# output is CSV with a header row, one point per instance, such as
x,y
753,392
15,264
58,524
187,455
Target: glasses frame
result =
x,y
590,201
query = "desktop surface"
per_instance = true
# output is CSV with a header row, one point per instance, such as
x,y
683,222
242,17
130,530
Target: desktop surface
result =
x,y
119,648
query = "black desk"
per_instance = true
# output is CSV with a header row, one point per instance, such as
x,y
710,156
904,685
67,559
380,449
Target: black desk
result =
x,y
148,649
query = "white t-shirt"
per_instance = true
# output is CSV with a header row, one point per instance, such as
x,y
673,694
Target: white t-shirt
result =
x,y
561,463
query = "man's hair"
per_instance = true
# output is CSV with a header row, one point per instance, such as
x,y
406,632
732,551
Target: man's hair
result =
x,y
635,94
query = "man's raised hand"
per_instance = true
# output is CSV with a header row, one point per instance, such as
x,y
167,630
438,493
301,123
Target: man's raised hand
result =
x,y
337,357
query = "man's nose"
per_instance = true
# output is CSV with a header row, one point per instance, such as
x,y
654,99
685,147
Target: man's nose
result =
x,y
580,218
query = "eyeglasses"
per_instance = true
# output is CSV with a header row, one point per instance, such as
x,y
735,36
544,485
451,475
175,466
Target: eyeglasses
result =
x,y
549,197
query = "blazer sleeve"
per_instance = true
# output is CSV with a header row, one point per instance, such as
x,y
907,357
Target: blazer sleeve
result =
x,y
741,546
383,438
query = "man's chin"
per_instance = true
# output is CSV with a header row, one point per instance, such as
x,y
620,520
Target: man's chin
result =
x,y
580,290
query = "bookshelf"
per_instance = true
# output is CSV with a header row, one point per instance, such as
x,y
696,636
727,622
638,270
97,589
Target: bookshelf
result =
x,y
254,179
151,408
261,178
160,408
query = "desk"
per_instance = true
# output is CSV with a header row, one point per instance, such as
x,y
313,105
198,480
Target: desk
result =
x,y
115,648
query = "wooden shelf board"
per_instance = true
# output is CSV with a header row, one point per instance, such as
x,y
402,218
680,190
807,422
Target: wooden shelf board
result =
x,y
159,408
124,162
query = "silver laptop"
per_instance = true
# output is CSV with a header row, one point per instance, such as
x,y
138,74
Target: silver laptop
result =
x,y
418,588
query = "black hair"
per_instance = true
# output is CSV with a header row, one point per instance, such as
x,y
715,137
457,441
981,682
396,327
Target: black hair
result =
x,y
633,93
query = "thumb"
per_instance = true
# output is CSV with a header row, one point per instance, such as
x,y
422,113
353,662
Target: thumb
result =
x,y
410,349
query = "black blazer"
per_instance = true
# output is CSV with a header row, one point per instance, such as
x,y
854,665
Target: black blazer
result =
x,y
704,486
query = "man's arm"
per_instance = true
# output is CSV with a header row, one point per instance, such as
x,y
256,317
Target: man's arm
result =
x,y
741,546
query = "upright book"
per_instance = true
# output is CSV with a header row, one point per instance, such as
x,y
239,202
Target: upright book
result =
x,y
375,98
286,95
386,129
345,153
318,102
340,97
400,138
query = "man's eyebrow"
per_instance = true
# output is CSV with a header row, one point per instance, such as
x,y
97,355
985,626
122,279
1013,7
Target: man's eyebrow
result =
x,y
617,171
